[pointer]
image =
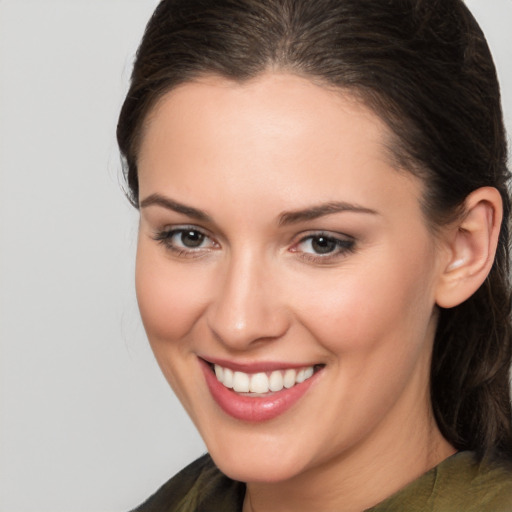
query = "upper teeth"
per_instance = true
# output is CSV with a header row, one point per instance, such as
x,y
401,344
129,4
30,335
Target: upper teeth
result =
x,y
242,382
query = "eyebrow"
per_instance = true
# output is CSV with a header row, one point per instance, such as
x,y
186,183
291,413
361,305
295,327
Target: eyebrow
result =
x,y
315,212
170,204
286,218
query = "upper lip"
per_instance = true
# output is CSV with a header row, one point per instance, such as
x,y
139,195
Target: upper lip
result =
x,y
256,366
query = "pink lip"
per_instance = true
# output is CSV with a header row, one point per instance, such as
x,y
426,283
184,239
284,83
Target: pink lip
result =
x,y
256,409
257,367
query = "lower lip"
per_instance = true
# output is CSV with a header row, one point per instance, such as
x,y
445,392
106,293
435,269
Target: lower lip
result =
x,y
254,409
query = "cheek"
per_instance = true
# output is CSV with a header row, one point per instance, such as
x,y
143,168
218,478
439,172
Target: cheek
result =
x,y
366,308
170,303
170,299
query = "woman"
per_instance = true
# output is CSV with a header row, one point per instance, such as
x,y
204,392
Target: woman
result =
x,y
322,265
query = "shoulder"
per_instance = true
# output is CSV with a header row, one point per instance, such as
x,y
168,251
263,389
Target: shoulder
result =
x,y
461,482
479,485
199,487
485,485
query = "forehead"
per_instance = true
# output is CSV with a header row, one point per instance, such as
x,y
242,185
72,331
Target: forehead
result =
x,y
272,104
278,135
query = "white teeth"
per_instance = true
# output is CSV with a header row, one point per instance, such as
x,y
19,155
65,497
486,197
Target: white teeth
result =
x,y
289,378
261,383
301,376
241,382
276,381
219,372
228,378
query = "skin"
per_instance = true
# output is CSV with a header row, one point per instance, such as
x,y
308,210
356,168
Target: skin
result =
x,y
256,289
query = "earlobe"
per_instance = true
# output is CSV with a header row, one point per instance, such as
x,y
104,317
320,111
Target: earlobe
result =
x,y
471,243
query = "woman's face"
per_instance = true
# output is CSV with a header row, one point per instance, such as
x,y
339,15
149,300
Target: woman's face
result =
x,y
280,250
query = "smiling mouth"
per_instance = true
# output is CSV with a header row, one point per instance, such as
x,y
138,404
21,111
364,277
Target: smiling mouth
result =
x,y
263,383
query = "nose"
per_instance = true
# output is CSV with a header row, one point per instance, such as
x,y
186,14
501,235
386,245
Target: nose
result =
x,y
246,310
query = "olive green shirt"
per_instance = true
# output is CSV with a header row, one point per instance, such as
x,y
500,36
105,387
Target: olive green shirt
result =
x,y
458,484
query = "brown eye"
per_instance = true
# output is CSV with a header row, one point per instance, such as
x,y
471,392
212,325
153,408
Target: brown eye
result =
x,y
191,238
323,245
185,240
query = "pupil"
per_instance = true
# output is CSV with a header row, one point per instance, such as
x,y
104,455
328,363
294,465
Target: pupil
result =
x,y
192,238
323,245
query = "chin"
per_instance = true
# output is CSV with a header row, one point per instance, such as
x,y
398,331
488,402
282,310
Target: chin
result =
x,y
261,471
259,463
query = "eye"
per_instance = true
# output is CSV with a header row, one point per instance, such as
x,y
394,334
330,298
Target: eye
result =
x,y
189,238
322,246
185,240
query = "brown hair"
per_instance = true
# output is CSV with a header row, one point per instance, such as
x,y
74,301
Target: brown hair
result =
x,y
424,67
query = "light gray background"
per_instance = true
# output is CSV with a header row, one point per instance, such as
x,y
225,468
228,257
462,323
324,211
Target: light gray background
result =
x,y
87,422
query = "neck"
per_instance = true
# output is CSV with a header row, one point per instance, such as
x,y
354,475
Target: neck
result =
x,y
362,477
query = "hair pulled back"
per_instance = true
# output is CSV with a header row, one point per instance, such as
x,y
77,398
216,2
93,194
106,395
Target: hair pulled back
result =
x,y
425,68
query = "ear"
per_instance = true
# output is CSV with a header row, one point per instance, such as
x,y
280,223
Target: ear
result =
x,y
471,242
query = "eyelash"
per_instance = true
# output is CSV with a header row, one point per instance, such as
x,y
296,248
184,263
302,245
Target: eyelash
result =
x,y
339,246
166,236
